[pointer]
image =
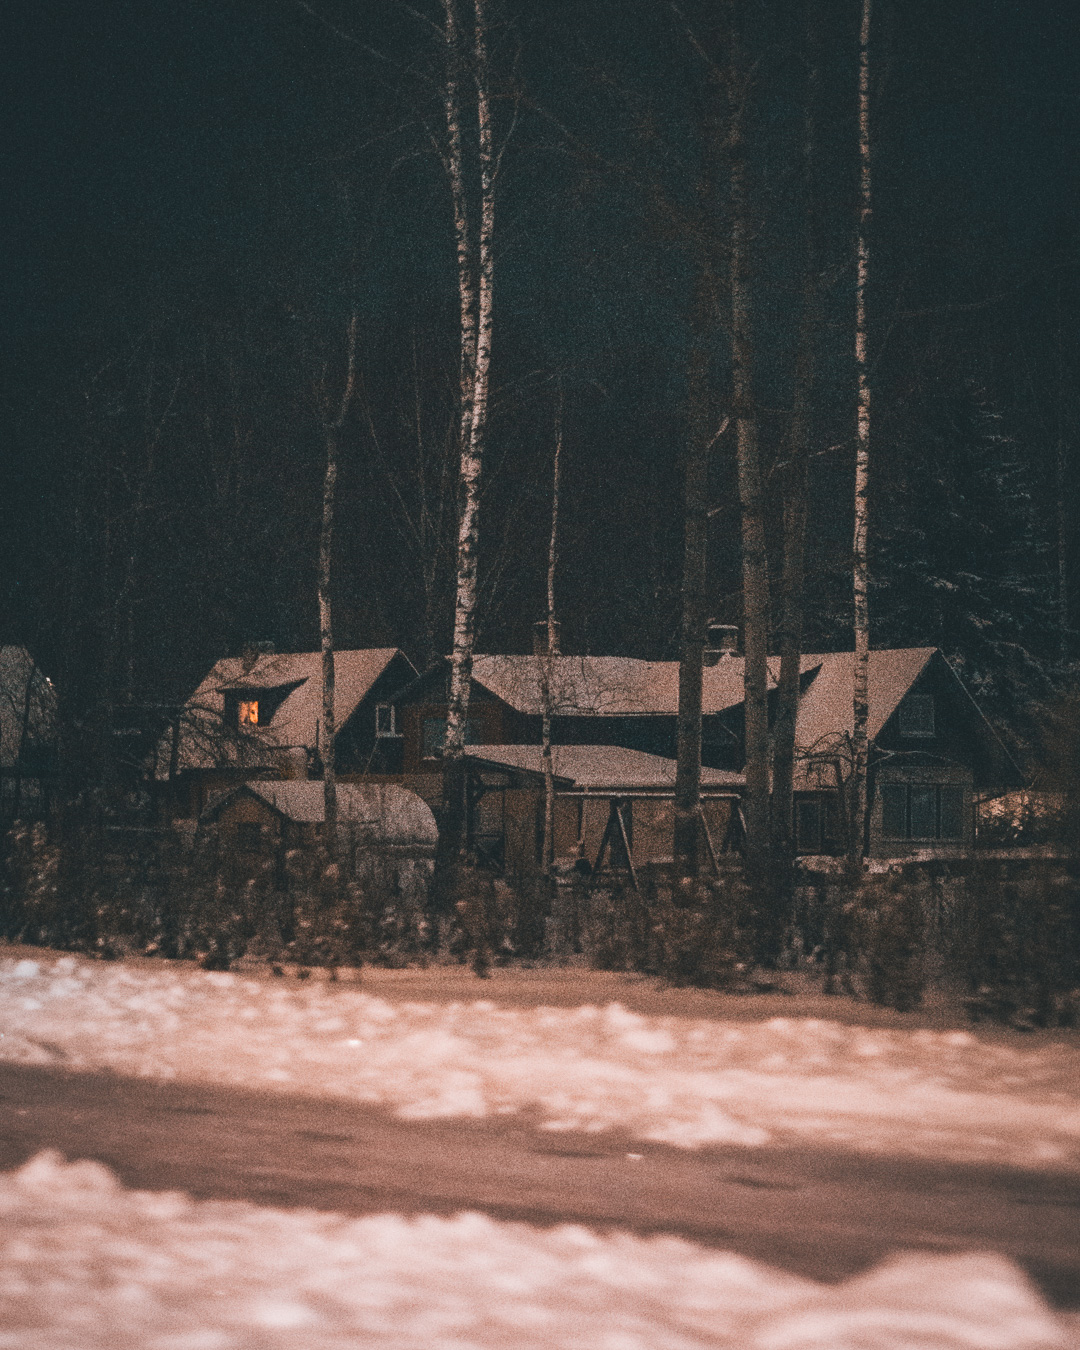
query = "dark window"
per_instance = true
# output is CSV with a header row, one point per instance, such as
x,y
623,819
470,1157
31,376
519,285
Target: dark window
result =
x,y
808,824
951,816
817,824
922,811
894,811
249,836
917,715
922,808
384,719
434,736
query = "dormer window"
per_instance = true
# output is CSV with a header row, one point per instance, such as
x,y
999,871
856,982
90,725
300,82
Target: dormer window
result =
x,y
251,707
384,719
917,716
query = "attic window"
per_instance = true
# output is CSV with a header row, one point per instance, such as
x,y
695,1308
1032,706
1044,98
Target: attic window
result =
x,y
384,719
917,715
253,706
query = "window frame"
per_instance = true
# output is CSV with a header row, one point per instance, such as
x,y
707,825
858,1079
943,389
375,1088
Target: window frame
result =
x,y
914,726
942,812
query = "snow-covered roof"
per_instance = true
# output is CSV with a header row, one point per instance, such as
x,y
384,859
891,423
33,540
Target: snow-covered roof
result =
x,y
612,686
20,678
206,743
601,767
385,812
826,709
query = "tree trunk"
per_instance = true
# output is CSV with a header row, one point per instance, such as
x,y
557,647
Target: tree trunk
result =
x,y
751,492
475,334
686,843
861,668
326,644
551,650
796,484
332,428
700,417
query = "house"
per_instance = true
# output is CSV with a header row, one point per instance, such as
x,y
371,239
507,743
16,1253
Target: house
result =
x,y
612,805
259,717
28,731
932,752
931,749
595,700
388,832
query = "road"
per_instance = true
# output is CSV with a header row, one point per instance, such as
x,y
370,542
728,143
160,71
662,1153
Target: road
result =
x,y
814,1212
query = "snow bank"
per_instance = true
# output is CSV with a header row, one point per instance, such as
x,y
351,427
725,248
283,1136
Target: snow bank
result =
x,y
684,1081
89,1264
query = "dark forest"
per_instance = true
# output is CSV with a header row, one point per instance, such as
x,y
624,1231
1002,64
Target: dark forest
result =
x,y
200,196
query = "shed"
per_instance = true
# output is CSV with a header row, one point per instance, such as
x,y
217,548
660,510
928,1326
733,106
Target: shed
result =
x,y
389,832
607,797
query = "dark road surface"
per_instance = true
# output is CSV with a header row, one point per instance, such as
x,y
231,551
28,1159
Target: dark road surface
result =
x,y
817,1213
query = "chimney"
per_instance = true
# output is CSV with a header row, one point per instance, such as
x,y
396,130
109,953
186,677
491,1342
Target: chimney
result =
x,y
722,641
540,638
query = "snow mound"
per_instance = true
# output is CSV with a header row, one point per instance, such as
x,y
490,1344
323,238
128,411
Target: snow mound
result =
x,y
685,1081
90,1264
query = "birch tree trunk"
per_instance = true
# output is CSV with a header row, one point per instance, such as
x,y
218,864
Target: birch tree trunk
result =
x,y
476,355
751,490
551,650
861,663
793,574
332,428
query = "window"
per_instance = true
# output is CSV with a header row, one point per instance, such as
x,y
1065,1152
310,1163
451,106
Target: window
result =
x,y
922,810
384,719
249,836
817,824
917,715
254,707
434,736
247,712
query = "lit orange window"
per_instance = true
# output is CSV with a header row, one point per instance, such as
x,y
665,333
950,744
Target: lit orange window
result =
x,y
249,712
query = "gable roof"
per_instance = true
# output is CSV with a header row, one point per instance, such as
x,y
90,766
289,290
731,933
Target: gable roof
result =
x,y
825,709
607,686
601,767
297,721
384,813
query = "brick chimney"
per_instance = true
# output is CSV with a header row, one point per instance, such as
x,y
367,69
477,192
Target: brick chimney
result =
x,y
540,638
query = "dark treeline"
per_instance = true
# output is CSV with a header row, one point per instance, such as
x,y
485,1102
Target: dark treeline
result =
x,y
209,195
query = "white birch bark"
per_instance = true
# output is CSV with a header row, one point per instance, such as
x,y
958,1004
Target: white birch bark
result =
x,y
861,664
332,427
472,448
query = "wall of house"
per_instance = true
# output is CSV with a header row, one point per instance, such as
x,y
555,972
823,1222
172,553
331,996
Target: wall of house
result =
x,y
928,781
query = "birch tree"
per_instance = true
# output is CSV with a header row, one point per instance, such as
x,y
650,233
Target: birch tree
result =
x,y
333,419
861,660
475,277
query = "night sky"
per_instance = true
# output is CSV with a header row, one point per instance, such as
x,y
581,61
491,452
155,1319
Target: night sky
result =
x,y
196,194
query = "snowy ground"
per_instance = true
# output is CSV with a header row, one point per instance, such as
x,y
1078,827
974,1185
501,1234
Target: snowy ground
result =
x,y
688,1081
89,1264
